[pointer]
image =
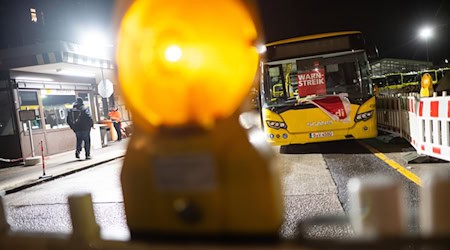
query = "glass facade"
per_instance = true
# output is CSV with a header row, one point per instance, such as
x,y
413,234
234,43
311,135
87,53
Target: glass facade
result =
x,y
389,65
55,109
50,106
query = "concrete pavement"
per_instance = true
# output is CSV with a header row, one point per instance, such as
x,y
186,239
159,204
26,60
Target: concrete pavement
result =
x,y
16,178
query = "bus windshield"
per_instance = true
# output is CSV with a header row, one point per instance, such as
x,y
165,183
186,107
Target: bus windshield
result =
x,y
288,80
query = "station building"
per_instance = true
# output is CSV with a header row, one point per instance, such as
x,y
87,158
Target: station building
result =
x,y
47,78
393,65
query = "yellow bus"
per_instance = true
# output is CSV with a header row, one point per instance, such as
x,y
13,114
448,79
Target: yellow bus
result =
x,y
379,81
410,82
317,88
442,72
401,83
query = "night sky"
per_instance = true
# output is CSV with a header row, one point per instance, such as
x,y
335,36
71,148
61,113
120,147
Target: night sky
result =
x,y
391,25
57,20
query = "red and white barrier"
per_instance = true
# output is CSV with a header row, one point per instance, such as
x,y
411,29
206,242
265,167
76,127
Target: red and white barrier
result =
x,y
432,135
413,121
424,122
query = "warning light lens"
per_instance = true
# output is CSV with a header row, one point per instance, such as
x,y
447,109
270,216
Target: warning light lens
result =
x,y
187,62
173,53
426,81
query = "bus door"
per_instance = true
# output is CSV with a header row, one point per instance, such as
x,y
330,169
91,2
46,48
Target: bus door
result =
x,y
9,134
276,84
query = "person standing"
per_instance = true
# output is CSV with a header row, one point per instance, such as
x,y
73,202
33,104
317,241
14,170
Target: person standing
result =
x,y
115,117
80,121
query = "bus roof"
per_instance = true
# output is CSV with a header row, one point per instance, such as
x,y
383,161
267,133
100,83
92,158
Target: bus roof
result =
x,y
312,37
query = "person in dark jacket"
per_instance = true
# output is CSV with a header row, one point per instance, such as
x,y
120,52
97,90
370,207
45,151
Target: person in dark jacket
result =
x,y
80,121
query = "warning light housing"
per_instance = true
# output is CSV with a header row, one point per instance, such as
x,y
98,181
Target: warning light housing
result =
x,y
186,62
190,169
426,84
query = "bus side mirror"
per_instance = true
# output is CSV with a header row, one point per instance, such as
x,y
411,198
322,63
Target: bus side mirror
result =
x,y
372,51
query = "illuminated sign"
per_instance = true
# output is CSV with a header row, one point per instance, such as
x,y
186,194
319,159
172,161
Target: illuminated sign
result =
x,y
33,15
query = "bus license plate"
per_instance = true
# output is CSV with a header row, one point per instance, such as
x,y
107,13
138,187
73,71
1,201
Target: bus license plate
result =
x,y
321,134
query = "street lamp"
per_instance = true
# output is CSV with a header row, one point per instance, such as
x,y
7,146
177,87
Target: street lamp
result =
x,y
425,33
95,44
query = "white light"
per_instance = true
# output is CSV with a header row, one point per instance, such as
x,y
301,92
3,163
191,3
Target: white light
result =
x,y
93,39
33,79
173,53
446,60
33,15
426,32
261,49
81,73
95,44
257,139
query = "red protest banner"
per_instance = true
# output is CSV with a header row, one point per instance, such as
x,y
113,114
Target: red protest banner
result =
x,y
312,82
336,106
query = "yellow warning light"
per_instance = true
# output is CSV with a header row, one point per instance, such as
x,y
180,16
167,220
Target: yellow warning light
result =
x,y
187,62
426,80
426,85
183,67
173,53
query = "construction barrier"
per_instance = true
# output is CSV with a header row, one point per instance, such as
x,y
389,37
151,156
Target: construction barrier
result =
x,y
369,199
424,122
413,121
392,115
433,124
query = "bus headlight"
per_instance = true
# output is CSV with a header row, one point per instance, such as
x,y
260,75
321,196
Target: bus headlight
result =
x,y
276,125
364,116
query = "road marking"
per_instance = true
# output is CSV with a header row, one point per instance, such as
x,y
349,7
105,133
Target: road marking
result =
x,y
402,170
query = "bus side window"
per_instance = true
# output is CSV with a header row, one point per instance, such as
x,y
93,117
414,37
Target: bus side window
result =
x,y
439,75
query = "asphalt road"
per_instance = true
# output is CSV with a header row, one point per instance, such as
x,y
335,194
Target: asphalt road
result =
x,y
348,159
43,208
314,179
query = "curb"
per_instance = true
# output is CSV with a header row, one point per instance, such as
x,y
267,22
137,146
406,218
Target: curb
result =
x,y
50,178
